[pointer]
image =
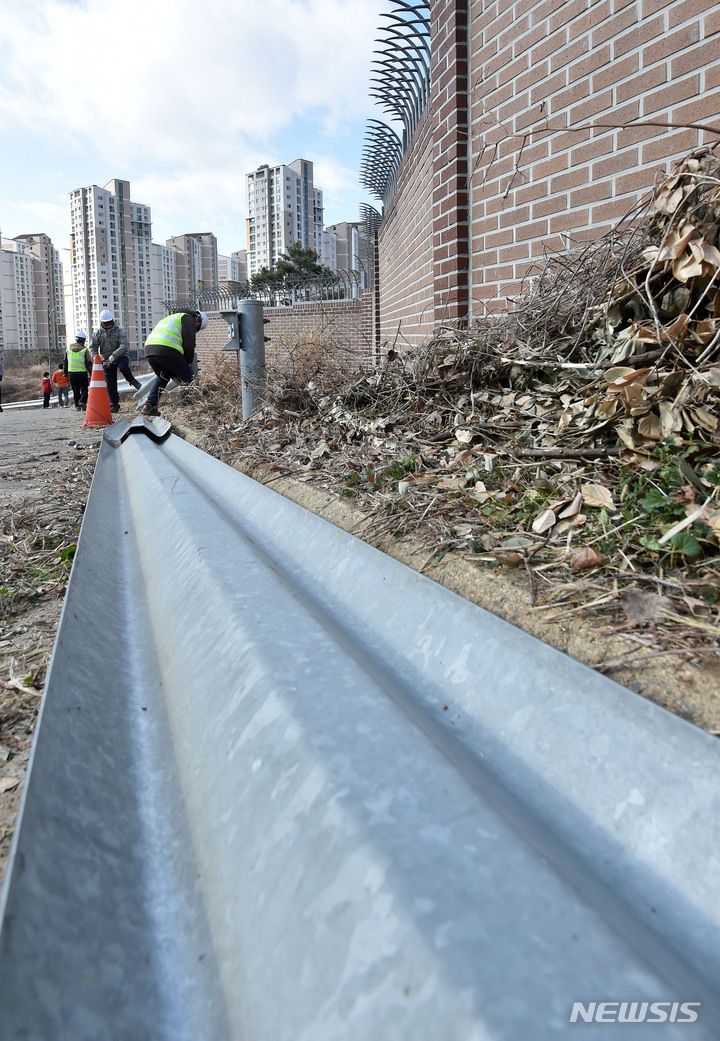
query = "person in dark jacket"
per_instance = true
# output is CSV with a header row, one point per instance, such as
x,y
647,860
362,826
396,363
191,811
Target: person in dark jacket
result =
x,y
170,352
111,343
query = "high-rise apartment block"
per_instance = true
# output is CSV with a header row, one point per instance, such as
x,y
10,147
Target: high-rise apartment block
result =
x,y
353,249
163,279
17,290
284,207
49,294
197,263
241,258
110,239
32,302
328,255
234,267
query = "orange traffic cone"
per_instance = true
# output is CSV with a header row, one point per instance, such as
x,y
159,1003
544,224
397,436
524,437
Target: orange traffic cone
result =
x,y
97,413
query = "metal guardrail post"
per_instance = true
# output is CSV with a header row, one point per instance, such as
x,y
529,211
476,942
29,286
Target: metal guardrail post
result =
x,y
247,337
252,356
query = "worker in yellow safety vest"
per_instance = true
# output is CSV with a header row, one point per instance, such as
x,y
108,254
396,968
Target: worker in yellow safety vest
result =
x,y
77,367
170,353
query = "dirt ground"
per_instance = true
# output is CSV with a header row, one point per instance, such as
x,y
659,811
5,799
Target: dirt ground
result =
x,y
46,465
44,484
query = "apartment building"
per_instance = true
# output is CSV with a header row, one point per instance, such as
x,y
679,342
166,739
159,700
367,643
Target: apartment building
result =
x,y
240,255
163,279
354,250
110,240
233,268
49,293
328,254
284,207
197,263
32,304
17,296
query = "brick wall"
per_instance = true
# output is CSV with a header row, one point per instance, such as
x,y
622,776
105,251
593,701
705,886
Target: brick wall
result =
x,y
449,99
405,269
541,92
212,339
343,324
554,84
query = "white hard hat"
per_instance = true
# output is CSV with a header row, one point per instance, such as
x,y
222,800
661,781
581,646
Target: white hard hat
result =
x,y
81,335
107,316
203,319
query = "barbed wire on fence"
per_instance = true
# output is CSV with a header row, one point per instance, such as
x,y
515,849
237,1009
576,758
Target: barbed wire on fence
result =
x,y
276,292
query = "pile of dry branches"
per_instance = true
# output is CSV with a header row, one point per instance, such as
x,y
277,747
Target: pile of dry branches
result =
x,y
577,436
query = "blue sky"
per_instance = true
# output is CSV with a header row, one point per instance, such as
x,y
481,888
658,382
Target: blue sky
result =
x,y
182,99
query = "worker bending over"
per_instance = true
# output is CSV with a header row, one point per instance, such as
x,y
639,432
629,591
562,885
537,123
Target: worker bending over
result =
x,y
170,352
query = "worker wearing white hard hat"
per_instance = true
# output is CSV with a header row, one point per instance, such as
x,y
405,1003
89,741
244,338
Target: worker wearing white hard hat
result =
x,y
111,343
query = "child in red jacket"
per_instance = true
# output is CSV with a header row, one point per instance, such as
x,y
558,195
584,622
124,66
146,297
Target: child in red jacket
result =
x,y
46,389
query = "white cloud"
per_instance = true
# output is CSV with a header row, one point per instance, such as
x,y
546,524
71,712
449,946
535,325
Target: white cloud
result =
x,y
214,198
149,75
183,99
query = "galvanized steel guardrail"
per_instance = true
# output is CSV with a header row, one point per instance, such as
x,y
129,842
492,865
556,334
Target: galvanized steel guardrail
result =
x,y
284,788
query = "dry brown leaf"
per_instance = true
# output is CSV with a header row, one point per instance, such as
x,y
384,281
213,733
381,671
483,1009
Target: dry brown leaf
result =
x,y
583,558
649,427
670,419
511,558
668,248
634,376
670,202
711,516
677,329
618,373
633,394
597,495
544,522
574,508
464,458
625,434
643,608
682,240
479,493
705,330
607,408
705,419
8,783
645,334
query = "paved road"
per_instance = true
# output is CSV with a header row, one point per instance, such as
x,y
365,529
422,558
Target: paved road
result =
x,y
34,444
